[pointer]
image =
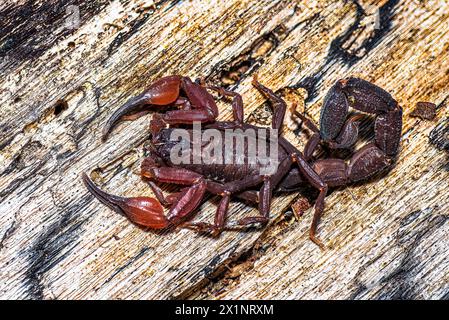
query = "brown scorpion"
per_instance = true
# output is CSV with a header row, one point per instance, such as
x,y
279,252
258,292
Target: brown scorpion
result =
x,y
191,102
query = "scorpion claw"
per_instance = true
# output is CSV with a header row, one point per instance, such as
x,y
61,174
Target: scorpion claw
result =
x,y
133,105
162,92
143,211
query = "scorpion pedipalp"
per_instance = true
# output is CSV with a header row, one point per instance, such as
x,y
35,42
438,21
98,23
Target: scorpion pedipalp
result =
x,y
164,91
144,211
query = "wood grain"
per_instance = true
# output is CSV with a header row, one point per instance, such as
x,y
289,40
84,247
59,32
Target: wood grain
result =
x,y
386,238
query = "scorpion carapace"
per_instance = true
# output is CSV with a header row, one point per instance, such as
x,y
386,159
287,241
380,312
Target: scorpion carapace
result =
x,y
243,180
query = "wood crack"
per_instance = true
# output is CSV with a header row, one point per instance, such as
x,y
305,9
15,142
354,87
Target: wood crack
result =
x,y
439,136
130,261
231,73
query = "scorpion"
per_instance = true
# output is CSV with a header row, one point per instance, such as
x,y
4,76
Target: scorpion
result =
x,y
189,101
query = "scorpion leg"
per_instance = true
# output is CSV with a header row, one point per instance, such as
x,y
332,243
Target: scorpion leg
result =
x,y
166,201
265,194
225,191
264,201
296,156
153,160
314,141
162,92
237,103
315,180
187,199
279,105
219,220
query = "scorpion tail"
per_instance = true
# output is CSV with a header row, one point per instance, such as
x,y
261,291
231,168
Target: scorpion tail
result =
x,y
144,211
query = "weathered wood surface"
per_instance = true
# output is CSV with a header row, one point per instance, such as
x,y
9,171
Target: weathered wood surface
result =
x,y
386,238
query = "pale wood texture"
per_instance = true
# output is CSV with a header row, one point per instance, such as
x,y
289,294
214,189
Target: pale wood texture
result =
x,y
386,238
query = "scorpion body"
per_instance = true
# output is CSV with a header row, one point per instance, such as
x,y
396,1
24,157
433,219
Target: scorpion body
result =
x,y
244,179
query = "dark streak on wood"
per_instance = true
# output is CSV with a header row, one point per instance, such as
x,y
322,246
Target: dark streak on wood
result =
x,y
84,125
12,166
6,142
21,160
443,103
337,53
336,50
131,260
8,233
439,136
399,283
13,185
135,26
445,296
54,245
28,30
213,269
360,288
386,15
